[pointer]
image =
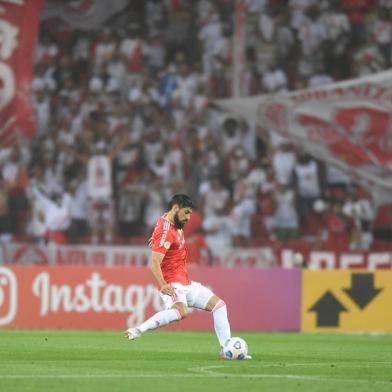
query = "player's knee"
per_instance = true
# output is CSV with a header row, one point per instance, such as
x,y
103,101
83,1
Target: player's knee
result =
x,y
182,311
184,314
214,303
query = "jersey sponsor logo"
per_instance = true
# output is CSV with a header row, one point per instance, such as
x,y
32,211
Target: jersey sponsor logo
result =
x,y
166,227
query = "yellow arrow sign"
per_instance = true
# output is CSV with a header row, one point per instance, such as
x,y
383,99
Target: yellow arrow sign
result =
x,y
349,301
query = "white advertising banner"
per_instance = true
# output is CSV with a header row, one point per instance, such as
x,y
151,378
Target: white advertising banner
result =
x,y
27,254
136,256
347,124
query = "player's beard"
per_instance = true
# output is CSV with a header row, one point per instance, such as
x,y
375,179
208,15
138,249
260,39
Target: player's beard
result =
x,y
177,223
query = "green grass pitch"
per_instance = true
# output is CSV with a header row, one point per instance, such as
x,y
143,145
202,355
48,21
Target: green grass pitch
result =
x,y
77,361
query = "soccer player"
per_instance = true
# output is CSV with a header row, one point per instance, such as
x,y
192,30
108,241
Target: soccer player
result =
x,y
168,265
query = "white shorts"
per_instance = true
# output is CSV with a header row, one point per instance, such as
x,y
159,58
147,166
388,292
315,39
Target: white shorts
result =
x,y
194,295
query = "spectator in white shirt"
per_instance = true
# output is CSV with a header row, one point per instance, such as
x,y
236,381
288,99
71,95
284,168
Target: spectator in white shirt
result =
x,y
229,135
308,184
104,50
244,205
36,226
267,25
367,59
155,55
209,35
217,227
116,69
78,209
131,208
274,80
56,211
44,79
285,213
160,166
214,196
298,8
283,161
42,109
382,31
238,164
359,208
320,78
255,6
285,39
312,32
187,86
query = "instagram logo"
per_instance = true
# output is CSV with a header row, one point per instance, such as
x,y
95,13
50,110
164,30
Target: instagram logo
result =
x,y
8,295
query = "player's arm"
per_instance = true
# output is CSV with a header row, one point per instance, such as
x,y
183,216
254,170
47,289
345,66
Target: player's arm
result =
x,y
155,266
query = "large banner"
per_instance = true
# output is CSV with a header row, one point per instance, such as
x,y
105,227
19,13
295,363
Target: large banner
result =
x,y
346,124
257,299
118,297
19,23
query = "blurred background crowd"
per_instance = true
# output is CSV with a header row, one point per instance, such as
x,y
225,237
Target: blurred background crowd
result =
x,y
126,117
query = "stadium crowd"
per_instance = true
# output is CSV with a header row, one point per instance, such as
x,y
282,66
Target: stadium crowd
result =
x,y
125,118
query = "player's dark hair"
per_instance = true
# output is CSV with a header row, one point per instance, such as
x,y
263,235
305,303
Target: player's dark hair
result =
x,y
182,201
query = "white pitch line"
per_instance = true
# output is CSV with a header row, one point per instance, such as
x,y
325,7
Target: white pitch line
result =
x,y
207,370
327,364
202,374
95,376
210,372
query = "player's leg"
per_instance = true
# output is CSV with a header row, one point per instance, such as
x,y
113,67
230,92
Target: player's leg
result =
x,y
218,308
203,298
176,309
221,322
159,319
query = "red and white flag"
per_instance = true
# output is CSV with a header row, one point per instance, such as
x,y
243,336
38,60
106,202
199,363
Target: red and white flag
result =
x,y
83,14
347,124
19,24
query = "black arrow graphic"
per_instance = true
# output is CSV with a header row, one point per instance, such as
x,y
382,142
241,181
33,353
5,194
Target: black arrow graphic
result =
x,y
328,309
362,290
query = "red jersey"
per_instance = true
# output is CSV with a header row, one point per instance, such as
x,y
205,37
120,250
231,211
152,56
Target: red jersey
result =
x,y
170,241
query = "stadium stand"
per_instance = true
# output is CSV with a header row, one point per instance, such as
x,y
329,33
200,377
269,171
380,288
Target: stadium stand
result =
x,y
138,94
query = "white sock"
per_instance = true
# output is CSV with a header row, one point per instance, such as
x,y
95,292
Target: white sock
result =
x,y
160,319
221,323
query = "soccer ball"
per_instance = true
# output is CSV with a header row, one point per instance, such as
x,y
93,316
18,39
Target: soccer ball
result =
x,y
235,348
